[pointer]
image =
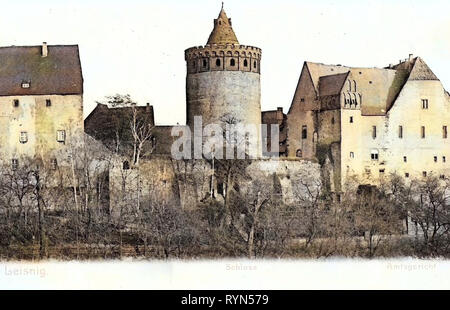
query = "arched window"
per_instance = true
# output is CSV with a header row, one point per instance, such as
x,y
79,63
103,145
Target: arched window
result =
x,y
126,165
299,153
349,85
218,62
245,63
232,62
204,63
354,85
254,64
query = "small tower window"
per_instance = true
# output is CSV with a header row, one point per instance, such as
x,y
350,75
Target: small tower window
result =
x,y
232,62
352,155
435,159
443,159
374,154
254,64
400,132
48,103
23,137
405,159
424,103
204,63
245,63
406,175
61,136
217,62
304,132
16,103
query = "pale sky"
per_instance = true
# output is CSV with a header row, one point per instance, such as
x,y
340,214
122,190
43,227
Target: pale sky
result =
x,y
137,46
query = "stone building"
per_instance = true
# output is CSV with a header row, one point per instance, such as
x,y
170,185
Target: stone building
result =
x,y
223,81
365,123
41,102
274,117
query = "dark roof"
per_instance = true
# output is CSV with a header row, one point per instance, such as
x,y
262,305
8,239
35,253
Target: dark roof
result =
x,y
332,84
57,74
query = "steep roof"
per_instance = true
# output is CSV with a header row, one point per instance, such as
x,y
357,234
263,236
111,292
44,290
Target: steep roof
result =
x,y
317,70
223,32
421,71
59,73
332,84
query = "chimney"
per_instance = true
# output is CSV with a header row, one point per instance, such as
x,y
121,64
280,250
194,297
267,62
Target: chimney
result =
x,y
44,49
410,57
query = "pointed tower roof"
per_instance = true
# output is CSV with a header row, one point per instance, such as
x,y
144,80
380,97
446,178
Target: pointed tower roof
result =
x,y
223,32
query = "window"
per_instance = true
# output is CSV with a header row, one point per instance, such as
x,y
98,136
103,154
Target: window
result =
x,y
442,177
23,137
332,120
245,63
381,171
14,164
61,136
374,154
422,133
424,173
126,165
16,103
299,153
54,163
352,155
374,132
443,159
254,64
351,119
48,103
220,188
435,159
444,132
302,100
205,63
217,62
406,175
405,159
304,132
25,84
400,132
232,62
424,103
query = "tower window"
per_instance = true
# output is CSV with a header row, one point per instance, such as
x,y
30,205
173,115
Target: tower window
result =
x,y
232,62
406,175
48,103
374,154
16,103
299,153
205,63
14,164
435,159
405,159
304,132
61,136
245,63
352,155
442,177
424,103
400,132
422,132
351,119
444,132
374,132
254,64
443,159
424,173
218,62
23,137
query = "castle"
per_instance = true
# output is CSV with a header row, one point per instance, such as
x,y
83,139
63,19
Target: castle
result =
x,y
343,123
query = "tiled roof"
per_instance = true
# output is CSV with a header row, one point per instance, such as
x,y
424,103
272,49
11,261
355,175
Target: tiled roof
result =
x,y
59,73
223,32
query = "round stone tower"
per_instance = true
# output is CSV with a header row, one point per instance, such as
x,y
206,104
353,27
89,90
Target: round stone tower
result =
x,y
223,79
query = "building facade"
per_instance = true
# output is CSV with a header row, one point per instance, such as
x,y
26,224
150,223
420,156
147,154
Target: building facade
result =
x,y
41,102
366,123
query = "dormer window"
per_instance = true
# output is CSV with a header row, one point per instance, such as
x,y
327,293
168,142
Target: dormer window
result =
x,y
26,84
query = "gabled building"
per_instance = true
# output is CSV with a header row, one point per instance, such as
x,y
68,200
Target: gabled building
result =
x,y
41,101
366,123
